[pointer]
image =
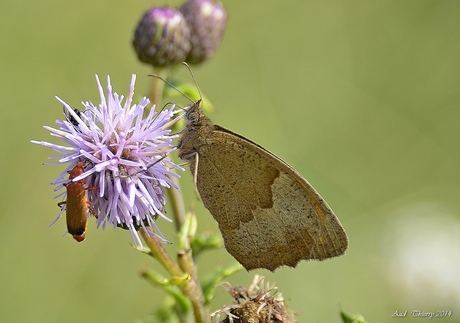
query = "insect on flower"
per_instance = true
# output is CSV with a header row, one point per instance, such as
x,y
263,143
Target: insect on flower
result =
x,y
124,168
77,205
70,118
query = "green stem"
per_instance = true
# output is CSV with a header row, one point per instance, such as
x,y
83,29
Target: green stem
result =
x,y
177,203
155,96
191,288
186,263
159,253
185,267
156,91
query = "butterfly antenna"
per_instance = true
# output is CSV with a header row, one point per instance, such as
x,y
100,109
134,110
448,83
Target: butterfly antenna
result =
x,y
173,86
194,80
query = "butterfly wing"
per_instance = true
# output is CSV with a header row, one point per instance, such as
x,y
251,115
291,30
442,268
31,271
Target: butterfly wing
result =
x,y
269,215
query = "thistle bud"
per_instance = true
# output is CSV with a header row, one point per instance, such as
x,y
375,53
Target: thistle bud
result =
x,y
207,21
162,37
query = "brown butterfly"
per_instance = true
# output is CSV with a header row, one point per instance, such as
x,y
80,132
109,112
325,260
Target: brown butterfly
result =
x,y
269,215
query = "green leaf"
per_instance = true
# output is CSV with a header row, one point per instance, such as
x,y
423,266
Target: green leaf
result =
x,y
347,318
209,282
187,231
170,286
206,241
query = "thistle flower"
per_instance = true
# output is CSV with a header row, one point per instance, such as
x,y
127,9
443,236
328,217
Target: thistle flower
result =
x,y
260,302
125,156
207,20
162,37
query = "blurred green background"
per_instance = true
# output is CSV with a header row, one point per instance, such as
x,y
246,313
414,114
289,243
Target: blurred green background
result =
x,y
361,97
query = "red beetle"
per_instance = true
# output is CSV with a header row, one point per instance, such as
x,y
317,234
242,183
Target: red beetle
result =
x,y
77,205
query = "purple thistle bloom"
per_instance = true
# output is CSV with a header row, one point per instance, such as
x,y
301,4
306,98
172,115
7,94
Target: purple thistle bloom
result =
x,y
125,155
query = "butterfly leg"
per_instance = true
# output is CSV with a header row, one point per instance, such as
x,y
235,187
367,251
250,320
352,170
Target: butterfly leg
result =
x,y
195,176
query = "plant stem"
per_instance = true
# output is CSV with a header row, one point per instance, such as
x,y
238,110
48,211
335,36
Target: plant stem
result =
x,y
155,96
191,288
156,91
159,253
177,203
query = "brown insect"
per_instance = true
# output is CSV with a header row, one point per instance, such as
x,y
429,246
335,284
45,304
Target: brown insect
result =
x,y
77,205
269,215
